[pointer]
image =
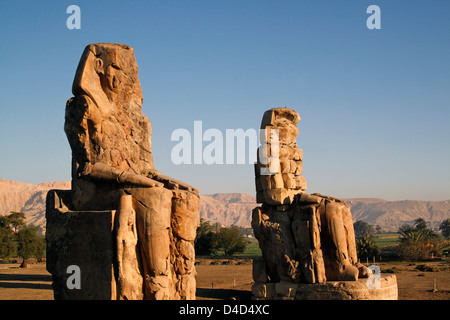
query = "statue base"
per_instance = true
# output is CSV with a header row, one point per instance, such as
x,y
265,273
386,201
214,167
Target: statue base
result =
x,y
385,288
80,250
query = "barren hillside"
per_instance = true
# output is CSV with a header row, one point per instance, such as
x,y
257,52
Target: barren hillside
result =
x,y
391,215
228,208
235,208
27,198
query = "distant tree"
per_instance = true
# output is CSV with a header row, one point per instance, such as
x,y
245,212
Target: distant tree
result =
x,y
378,228
445,228
411,246
419,243
206,241
410,234
231,240
4,222
8,245
13,221
216,227
16,238
366,247
420,223
30,245
8,233
362,228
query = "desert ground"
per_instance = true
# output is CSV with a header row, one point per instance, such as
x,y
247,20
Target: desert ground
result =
x,y
225,279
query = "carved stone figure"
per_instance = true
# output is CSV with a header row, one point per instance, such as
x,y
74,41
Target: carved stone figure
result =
x,y
279,167
129,277
112,169
304,238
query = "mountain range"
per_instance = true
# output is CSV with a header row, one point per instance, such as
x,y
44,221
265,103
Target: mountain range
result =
x,y
235,208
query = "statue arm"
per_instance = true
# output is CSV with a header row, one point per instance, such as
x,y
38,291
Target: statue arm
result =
x,y
169,182
101,171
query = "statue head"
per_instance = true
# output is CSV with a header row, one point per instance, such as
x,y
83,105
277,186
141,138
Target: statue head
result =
x,y
279,168
108,74
285,121
104,122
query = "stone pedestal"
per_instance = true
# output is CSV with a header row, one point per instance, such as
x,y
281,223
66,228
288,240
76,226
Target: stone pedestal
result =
x,y
103,247
362,289
74,254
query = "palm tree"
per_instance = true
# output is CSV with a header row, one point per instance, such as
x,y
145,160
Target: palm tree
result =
x,y
420,223
410,234
366,247
418,243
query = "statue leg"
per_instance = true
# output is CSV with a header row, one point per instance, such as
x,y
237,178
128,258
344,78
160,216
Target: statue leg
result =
x,y
185,221
338,265
273,230
306,231
364,272
153,208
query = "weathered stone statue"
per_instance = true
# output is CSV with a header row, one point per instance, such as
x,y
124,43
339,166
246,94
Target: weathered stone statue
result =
x,y
145,222
305,239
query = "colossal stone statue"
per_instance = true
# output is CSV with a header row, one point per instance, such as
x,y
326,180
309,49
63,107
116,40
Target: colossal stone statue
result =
x,y
305,239
145,222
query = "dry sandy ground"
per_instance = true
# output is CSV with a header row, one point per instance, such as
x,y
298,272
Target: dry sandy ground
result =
x,y
32,283
228,279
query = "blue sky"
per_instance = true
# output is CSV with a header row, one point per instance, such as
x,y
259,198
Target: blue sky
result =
x,y
375,104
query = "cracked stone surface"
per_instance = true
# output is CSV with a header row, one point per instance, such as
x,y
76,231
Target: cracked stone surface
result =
x,y
304,238
150,219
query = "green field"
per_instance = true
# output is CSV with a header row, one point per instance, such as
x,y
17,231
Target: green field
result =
x,y
252,248
382,240
386,239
